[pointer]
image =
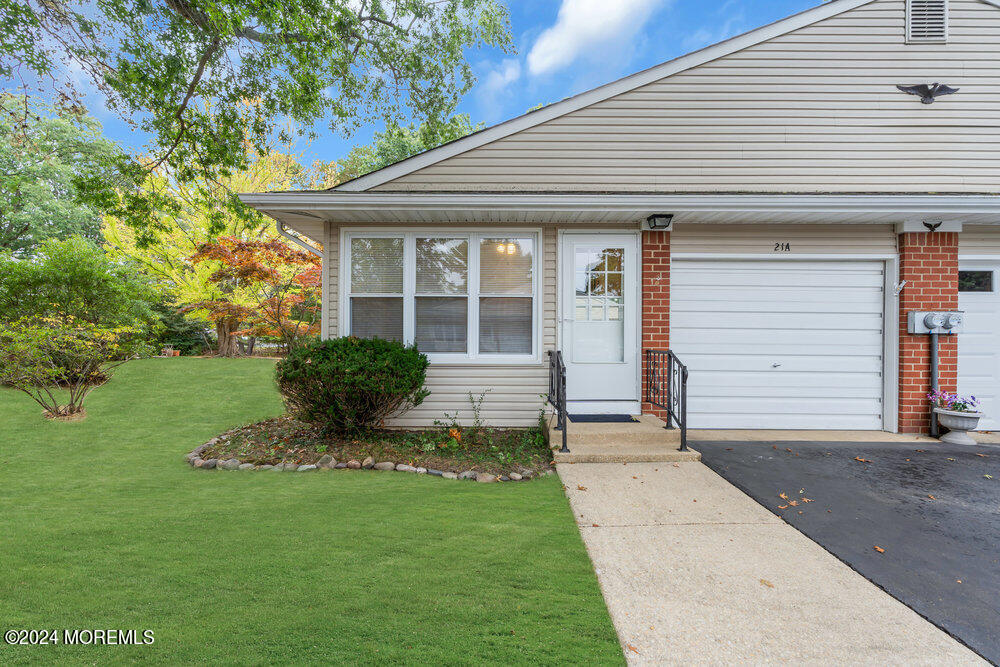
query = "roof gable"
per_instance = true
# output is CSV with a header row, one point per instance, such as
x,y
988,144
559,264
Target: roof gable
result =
x,y
601,93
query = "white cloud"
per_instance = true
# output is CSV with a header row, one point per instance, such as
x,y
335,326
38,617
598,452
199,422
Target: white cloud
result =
x,y
734,24
507,73
585,25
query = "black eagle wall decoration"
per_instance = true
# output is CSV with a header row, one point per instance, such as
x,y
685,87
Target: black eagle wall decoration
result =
x,y
928,91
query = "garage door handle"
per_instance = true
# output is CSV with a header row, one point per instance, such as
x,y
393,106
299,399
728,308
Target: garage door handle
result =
x,y
775,365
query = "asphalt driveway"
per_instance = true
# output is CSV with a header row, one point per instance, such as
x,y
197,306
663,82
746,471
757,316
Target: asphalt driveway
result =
x,y
921,521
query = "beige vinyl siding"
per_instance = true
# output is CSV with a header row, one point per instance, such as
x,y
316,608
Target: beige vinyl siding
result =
x,y
815,110
979,240
512,391
761,239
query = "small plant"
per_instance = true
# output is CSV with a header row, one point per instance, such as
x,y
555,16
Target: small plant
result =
x,y
954,402
346,385
49,358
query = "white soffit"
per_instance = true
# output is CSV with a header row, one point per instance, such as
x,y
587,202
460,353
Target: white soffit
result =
x,y
306,211
601,93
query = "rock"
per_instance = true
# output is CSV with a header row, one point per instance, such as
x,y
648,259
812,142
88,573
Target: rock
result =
x,y
354,465
326,461
516,477
230,464
307,468
191,456
209,464
504,478
436,473
246,466
277,468
290,466
385,465
485,478
421,471
340,466
402,467
468,474
266,467
449,475
368,463
546,473
197,462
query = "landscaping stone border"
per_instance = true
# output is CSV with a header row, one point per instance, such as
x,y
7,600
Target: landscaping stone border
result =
x,y
327,462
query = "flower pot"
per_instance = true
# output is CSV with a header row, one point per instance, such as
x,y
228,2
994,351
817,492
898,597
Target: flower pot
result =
x,y
959,424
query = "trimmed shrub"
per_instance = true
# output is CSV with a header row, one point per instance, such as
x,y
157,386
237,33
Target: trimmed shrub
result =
x,y
349,384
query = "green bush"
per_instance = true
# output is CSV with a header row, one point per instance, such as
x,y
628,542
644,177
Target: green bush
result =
x,y
351,384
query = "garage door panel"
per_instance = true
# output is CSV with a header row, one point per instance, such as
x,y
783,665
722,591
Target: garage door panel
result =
x,y
843,341
780,344
779,320
979,346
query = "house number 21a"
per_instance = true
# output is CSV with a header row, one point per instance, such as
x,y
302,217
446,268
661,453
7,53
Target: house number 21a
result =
x,y
782,247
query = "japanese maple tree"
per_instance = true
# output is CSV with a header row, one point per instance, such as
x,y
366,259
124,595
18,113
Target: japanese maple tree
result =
x,y
265,288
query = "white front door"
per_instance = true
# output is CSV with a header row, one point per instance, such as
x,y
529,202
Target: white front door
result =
x,y
599,312
792,344
979,343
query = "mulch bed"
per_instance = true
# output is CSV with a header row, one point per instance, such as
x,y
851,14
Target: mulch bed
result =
x,y
285,440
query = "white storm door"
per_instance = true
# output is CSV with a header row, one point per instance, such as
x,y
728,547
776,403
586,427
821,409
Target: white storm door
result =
x,y
979,343
780,344
600,285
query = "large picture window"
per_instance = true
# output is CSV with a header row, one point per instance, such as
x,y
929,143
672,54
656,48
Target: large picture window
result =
x,y
457,295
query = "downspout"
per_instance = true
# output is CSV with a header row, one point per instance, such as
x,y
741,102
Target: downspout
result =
x,y
295,239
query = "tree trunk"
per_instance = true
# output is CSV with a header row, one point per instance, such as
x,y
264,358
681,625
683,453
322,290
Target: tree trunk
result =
x,y
227,341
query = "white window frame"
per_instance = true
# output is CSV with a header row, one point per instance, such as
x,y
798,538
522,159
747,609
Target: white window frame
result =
x,y
409,236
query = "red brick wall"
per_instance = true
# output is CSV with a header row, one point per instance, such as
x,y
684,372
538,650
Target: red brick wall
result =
x,y
655,301
928,261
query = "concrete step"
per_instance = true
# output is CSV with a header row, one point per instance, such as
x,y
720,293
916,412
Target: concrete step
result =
x,y
637,442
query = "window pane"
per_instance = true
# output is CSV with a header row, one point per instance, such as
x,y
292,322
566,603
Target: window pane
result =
x,y
442,324
442,266
377,317
975,281
505,325
376,266
505,265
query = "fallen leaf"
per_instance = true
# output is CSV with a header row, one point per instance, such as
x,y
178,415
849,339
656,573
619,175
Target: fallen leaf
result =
x,y
801,491
774,446
958,581
861,460
879,549
907,459
632,648
783,495
782,507
677,465
921,451
793,503
767,583
988,476
729,449
581,487
982,455
595,525
800,511
788,449
634,477
951,459
806,500
931,496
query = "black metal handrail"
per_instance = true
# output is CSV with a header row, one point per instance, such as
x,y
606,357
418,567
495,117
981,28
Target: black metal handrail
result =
x,y
557,392
666,387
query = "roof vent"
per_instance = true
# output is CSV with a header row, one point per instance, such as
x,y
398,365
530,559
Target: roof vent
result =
x,y
926,20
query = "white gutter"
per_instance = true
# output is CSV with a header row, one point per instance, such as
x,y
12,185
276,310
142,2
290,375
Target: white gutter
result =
x,y
918,205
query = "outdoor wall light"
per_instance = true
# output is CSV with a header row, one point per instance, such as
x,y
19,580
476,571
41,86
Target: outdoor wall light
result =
x,y
660,220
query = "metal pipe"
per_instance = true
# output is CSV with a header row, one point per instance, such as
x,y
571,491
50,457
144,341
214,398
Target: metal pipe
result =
x,y
934,380
296,240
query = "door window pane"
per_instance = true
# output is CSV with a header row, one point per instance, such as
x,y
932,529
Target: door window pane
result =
x,y
377,317
505,265
376,266
975,281
442,266
505,325
442,324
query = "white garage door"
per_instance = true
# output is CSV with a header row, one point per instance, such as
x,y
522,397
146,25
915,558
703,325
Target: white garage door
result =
x,y
794,344
978,354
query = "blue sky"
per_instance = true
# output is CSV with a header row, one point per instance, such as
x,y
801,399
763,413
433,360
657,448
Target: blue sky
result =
x,y
564,47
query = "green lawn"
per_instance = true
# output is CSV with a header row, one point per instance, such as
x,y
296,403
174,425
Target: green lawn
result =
x,y
103,525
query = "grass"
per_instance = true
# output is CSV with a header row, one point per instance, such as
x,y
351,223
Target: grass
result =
x,y
449,448
103,525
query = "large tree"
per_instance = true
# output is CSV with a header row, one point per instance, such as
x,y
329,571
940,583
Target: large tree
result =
x,y
184,71
46,164
400,142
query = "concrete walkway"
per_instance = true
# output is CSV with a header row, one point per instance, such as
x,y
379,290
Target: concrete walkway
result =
x,y
694,571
